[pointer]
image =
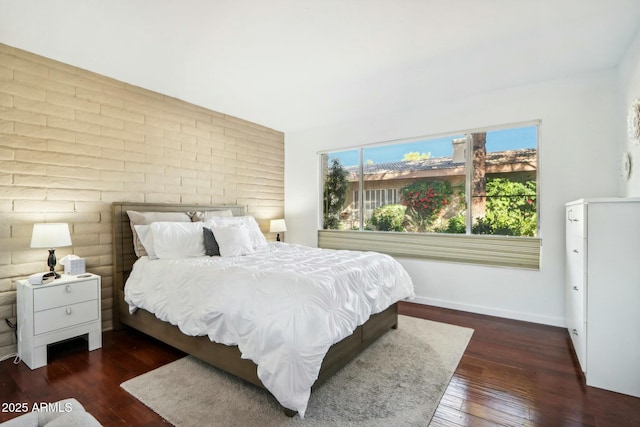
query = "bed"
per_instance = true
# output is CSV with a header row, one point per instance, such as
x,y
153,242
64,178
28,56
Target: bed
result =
x,y
225,355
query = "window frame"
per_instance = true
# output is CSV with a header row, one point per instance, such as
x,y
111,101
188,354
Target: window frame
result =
x,y
500,250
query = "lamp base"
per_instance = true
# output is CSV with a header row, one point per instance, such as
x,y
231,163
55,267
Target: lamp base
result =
x,y
51,262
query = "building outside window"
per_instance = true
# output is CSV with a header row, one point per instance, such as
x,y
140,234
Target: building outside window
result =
x,y
480,182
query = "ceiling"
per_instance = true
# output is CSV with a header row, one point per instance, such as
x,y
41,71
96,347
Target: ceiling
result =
x,y
297,64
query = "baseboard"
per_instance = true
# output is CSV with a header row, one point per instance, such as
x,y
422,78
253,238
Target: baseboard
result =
x,y
491,311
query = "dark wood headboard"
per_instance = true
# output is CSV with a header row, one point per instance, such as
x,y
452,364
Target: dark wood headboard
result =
x,y
123,253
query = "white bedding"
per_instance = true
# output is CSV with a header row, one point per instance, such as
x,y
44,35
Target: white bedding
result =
x,y
283,306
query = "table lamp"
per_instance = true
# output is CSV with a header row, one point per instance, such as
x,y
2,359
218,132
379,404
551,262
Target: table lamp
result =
x,y
277,226
51,236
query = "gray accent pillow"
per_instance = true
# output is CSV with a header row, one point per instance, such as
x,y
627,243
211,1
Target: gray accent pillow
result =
x,y
210,244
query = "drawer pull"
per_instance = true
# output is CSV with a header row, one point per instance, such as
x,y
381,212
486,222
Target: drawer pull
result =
x,y
68,289
68,310
575,288
574,332
575,251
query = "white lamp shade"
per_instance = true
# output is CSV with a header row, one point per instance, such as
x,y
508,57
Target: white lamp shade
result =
x,y
50,235
277,226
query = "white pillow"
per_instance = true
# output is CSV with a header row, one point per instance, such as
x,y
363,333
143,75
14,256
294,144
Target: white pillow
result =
x,y
233,240
146,238
146,218
178,239
255,234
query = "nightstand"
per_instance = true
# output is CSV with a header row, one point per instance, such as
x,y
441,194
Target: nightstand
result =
x,y
65,308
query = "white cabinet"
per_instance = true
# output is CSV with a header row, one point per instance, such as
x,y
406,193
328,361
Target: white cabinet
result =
x,y
603,290
65,308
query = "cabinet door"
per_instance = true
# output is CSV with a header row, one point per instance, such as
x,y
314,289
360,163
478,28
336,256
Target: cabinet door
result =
x,y
613,309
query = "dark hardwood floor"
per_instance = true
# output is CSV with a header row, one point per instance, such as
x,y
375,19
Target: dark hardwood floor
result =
x,y
512,373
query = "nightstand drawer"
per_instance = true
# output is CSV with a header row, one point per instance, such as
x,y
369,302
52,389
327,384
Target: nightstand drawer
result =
x,y
53,296
62,317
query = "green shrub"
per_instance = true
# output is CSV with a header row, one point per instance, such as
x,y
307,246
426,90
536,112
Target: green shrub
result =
x,y
456,225
388,218
510,209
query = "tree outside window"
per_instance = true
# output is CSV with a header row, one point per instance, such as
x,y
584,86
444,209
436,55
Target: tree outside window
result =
x,y
334,194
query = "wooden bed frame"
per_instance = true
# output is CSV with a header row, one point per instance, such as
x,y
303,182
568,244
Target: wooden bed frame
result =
x,y
221,356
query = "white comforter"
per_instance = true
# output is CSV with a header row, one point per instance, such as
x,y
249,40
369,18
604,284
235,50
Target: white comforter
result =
x,y
283,306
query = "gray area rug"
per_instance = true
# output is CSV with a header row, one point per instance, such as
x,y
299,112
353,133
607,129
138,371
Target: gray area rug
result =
x,y
398,381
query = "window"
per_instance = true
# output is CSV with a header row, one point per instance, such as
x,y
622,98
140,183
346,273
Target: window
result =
x,y
422,186
482,182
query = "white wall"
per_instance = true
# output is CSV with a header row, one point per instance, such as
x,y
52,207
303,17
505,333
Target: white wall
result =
x,y
578,158
629,72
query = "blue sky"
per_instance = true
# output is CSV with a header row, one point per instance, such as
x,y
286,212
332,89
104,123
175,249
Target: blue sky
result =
x,y
498,140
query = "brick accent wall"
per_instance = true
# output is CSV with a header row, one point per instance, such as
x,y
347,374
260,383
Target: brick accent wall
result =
x,y
72,142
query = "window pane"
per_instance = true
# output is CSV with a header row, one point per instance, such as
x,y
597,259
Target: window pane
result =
x,y
424,186
416,186
504,181
340,183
